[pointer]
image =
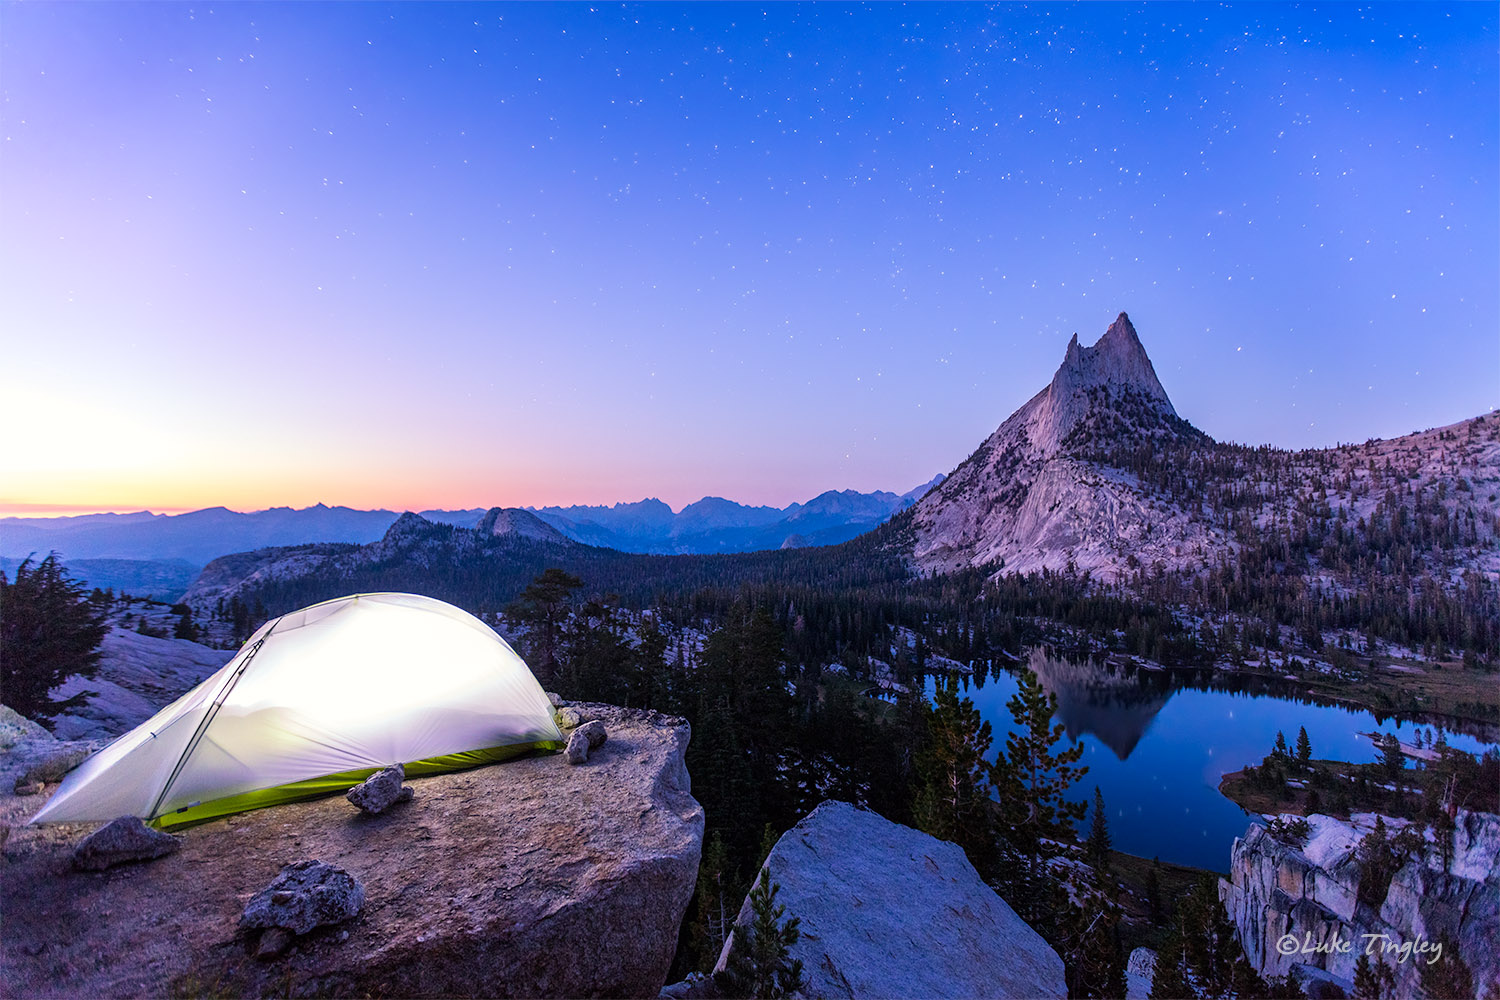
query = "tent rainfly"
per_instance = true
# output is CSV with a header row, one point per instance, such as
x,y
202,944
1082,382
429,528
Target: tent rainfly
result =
x,y
315,702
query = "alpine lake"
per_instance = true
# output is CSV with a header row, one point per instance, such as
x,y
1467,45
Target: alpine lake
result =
x,y
1157,742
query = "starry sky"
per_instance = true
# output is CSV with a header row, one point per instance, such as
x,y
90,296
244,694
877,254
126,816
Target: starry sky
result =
x,y
412,256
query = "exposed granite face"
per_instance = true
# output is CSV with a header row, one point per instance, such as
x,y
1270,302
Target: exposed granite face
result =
x,y
137,675
1310,893
15,727
888,911
528,878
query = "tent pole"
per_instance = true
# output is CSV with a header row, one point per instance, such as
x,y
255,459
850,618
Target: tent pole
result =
x,y
208,717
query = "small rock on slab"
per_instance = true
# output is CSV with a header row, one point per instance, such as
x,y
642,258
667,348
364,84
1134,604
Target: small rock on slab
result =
x,y
381,790
121,840
305,895
53,766
585,739
568,718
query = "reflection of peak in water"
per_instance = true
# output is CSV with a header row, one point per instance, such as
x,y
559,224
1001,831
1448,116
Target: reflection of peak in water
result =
x,y
1115,708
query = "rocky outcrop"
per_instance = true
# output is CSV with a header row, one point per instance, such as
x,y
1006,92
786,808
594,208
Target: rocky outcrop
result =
x,y
888,911
120,841
15,727
528,878
1029,498
521,523
1309,895
1140,970
49,763
137,674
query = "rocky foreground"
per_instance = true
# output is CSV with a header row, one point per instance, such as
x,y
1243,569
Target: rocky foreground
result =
x,y
137,674
888,911
1308,894
530,878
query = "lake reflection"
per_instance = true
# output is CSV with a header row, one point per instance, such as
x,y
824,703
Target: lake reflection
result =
x,y
1158,754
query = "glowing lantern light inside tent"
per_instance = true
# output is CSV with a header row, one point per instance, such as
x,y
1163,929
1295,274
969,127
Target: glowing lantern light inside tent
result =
x,y
315,702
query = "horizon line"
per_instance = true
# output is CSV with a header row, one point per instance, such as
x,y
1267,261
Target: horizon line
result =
x,y
42,511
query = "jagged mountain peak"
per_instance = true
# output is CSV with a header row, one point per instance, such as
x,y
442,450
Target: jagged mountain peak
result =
x,y
1117,361
1110,386
1037,493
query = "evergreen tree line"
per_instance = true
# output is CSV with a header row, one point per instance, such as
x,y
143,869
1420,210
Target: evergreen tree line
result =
x,y
1399,569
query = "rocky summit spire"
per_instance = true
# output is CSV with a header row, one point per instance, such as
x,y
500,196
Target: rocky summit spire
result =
x,y
1117,361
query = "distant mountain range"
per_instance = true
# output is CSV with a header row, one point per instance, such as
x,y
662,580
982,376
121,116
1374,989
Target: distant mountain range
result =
x,y
155,548
1095,476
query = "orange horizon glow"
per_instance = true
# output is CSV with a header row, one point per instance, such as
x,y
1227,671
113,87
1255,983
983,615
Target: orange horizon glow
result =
x,y
369,496
273,256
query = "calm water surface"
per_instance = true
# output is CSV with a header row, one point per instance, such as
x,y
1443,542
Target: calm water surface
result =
x,y
1158,755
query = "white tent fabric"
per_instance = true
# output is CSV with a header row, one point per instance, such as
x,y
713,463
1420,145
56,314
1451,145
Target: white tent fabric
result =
x,y
355,683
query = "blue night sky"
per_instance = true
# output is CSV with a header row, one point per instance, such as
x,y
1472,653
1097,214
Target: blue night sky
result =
x,y
433,255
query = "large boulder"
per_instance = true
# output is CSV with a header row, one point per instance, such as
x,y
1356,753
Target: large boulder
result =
x,y
888,911
1140,970
528,878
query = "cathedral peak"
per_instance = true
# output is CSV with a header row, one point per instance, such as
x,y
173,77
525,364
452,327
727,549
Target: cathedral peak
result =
x,y
1118,360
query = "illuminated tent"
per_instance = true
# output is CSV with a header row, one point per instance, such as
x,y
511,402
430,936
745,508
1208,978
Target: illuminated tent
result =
x,y
315,702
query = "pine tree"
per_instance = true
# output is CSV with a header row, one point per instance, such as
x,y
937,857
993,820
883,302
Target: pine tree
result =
x,y
543,608
721,776
1153,892
649,687
184,629
760,963
1093,952
1392,760
1168,981
714,902
600,659
1304,748
1098,845
1033,778
1280,750
1373,980
1449,978
49,631
953,797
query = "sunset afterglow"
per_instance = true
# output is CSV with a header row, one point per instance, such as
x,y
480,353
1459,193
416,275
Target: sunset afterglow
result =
x,y
458,256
